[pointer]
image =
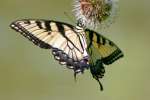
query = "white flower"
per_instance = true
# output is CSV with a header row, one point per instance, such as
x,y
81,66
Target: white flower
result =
x,y
95,13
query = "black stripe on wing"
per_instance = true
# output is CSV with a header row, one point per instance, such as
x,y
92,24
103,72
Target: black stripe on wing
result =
x,y
113,57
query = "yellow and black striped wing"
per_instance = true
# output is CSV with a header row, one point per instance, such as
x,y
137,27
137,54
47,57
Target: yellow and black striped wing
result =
x,y
65,43
108,51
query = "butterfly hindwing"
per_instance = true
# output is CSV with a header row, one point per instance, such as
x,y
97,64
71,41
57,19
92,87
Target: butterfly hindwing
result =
x,y
61,37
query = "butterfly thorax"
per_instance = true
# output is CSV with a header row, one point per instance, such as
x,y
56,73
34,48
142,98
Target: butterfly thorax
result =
x,y
79,30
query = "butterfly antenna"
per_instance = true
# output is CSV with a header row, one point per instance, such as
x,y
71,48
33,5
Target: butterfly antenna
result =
x,y
67,15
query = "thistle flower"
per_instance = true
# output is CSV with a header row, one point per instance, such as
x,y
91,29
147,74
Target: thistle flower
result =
x,y
95,13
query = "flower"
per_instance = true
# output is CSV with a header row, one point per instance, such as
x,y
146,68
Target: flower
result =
x,y
95,13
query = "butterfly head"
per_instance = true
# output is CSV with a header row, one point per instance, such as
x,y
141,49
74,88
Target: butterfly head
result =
x,y
81,23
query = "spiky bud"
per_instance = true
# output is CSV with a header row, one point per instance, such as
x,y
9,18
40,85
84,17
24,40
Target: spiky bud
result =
x,y
95,13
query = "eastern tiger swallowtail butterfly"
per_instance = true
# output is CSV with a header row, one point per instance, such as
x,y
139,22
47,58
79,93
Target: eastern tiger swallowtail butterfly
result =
x,y
73,46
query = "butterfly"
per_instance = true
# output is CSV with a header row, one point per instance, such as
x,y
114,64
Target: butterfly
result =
x,y
74,46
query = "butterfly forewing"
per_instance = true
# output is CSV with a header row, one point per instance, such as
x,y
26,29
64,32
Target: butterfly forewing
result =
x,y
108,51
66,45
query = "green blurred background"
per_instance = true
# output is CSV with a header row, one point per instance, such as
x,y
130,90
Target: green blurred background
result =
x,y
30,73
